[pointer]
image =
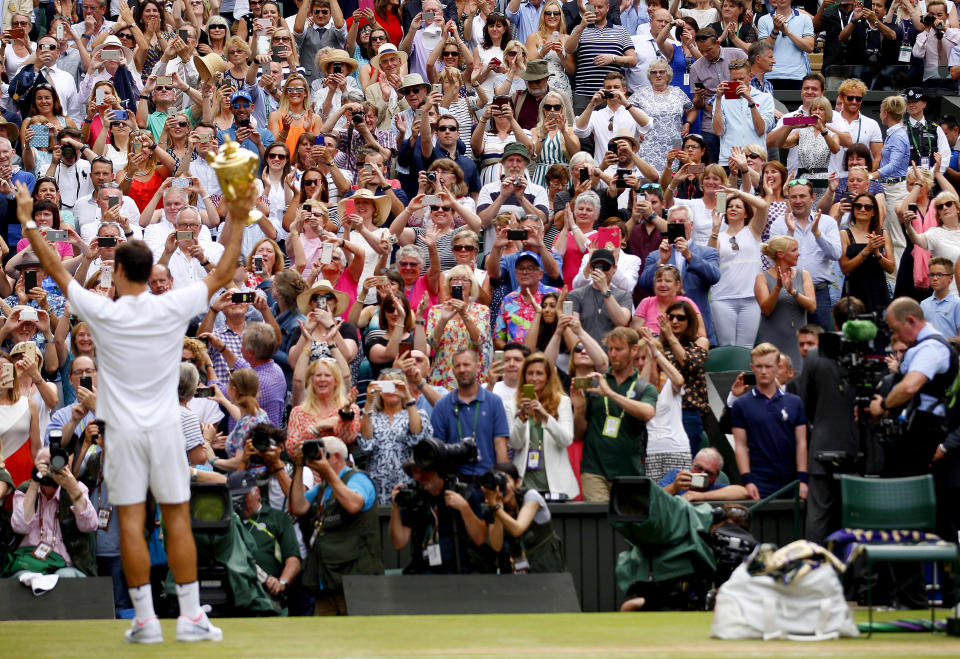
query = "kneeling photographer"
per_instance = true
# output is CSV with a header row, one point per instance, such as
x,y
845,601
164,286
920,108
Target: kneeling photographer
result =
x,y
438,516
919,399
530,543
343,536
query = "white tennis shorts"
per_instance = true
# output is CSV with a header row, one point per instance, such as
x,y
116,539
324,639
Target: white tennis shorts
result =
x,y
154,458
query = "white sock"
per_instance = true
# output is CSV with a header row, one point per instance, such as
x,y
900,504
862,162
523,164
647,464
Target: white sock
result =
x,y
142,597
189,596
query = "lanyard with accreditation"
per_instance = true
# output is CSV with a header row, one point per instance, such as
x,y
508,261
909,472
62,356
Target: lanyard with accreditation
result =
x,y
476,417
611,424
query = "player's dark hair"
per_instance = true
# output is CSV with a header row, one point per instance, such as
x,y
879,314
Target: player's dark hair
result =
x,y
136,259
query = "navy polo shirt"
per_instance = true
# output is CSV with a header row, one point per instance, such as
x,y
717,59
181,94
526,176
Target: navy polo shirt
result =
x,y
491,421
770,425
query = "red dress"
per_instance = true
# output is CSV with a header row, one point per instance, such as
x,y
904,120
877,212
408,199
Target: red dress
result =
x,y
142,191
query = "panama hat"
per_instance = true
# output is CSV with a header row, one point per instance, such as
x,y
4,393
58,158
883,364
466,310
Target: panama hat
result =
x,y
209,65
323,286
382,203
387,49
412,80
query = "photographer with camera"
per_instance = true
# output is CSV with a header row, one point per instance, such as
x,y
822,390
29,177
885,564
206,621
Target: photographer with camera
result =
x,y
521,529
439,517
700,482
345,538
933,45
927,371
54,514
275,551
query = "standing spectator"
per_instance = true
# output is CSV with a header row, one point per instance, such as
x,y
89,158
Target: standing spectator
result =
x,y
706,74
926,137
325,29
835,20
667,445
769,430
601,48
256,349
761,60
867,254
742,120
241,404
942,309
933,45
611,418
861,128
812,86
525,17
670,110
791,33
870,40
619,115
944,239
680,344
733,28
894,163
458,322
785,294
815,143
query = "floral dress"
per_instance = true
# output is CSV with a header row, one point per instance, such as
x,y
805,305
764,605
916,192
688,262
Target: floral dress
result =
x,y
238,436
389,448
667,111
455,336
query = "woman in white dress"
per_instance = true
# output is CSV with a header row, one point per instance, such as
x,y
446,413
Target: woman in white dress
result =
x,y
490,69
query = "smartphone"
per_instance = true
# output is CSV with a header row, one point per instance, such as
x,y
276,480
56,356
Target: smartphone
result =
x,y
107,241
204,139
799,121
428,16
326,253
584,174
750,379
164,81
418,115
349,207
622,178
277,57
529,392
86,381
203,392
606,238
606,93
675,230
184,235
456,292
432,200
495,62
677,144
437,87
258,264
6,374
387,386
318,141
55,235
106,277
111,202
517,234
181,182
184,35
585,383
120,115
262,23
721,202
498,355
111,55
60,31
698,85
137,147
914,207
29,283
16,33
731,92
263,46
695,168
243,298
588,7
403,349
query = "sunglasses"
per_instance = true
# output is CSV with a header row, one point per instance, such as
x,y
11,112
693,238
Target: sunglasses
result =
x,y
946,204
217,27
452,53
379,38
311,181
321,12
127,35
578,348
733,244
445,129
296,90
551,107
463,248
238,51
240,105
117,124
47,46
863,207
755,155
281,39
366,29
855,99
658,72
276,156
798,181
445,209
512,53
677,316
551,13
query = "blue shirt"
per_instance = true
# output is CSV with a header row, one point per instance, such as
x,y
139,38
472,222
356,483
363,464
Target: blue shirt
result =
x,y
770,424
508,269
634,17
483,418
738,128
895,155
929,358
14,231
266,137
525,20
59,419
359,483
817,255
791,62
943,314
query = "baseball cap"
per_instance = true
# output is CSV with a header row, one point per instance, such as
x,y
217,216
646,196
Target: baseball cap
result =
x,y
528,254
241,94
604,255
240,482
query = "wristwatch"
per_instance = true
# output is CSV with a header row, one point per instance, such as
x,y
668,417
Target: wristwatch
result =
x,y
283,582
607,293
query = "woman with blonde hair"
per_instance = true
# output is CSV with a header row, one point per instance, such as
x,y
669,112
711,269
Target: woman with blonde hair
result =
x,y
547,43
944,239
241,404
17,50
894,166
456,323
785,294
542,429
19,428
326,409
815,143
515,61
553,137
294,116
913,278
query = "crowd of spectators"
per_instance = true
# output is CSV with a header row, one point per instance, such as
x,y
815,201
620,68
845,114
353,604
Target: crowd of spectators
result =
x,y
524,224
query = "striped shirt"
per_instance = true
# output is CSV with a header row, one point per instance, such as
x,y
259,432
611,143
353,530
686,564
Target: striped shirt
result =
x,y
609,40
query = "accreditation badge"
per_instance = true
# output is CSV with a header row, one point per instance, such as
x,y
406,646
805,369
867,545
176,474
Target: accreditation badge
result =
x,y
611,426
533,460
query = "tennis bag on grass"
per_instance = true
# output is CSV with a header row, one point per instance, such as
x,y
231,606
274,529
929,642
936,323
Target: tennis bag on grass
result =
x,y
792,593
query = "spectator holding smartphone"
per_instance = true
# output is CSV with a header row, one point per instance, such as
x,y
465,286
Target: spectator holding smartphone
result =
x,y
458,322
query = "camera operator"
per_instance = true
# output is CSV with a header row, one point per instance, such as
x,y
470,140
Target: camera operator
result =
x,y
54,514
829,400
927,370
707,461
346,533
275,547
439,517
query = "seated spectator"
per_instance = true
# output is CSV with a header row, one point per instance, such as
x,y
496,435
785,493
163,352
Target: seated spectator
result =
x,y
770,430
707,461
522,532
542,429
326,409
54,514
942,309
392,425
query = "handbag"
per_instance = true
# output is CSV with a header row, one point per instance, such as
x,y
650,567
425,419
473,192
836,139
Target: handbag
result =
x,y
22,558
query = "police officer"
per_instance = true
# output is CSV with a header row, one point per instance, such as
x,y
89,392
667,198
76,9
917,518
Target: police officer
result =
x,y
345,534
926,137
928,369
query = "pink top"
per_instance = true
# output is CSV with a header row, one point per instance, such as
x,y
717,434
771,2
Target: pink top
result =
x,y
415,294
647,309
64,249
43,525
921,257
346,284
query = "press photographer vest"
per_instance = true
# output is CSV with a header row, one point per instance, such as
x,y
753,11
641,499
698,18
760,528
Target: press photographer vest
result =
x,y
341,543
540,543
81,546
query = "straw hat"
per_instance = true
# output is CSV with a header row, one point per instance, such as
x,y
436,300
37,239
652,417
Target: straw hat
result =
x,y
341,56
323,286
382,203
10,130
387,49
209,65
412,80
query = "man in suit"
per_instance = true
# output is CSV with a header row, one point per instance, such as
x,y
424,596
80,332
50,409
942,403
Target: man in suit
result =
x,y
699,266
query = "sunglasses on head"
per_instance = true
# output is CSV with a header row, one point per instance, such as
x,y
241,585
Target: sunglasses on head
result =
x,y
798,181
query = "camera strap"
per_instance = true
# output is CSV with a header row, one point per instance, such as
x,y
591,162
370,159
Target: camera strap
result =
x,y
256,523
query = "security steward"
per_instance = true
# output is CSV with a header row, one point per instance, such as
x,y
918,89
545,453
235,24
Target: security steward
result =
x,y
276,551
928,369
924,134
344,533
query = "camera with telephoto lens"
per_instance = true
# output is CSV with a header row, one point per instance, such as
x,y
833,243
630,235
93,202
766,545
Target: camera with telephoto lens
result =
x,y
852,350
433,455
261,437
312,449
412,498
494,480
929,20
58,455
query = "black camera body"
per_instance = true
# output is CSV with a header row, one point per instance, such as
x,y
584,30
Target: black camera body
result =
x,y
59,458
357,118
312,449
432,177
494,480
261,439
434,455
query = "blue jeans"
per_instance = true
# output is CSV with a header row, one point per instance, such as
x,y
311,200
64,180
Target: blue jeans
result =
x,y
693,426
713,146
823,315
112,567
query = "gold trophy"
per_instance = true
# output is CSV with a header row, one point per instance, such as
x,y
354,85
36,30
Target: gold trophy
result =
x,y
236,168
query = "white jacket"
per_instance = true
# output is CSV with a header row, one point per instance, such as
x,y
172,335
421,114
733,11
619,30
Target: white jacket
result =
x,y
557,436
